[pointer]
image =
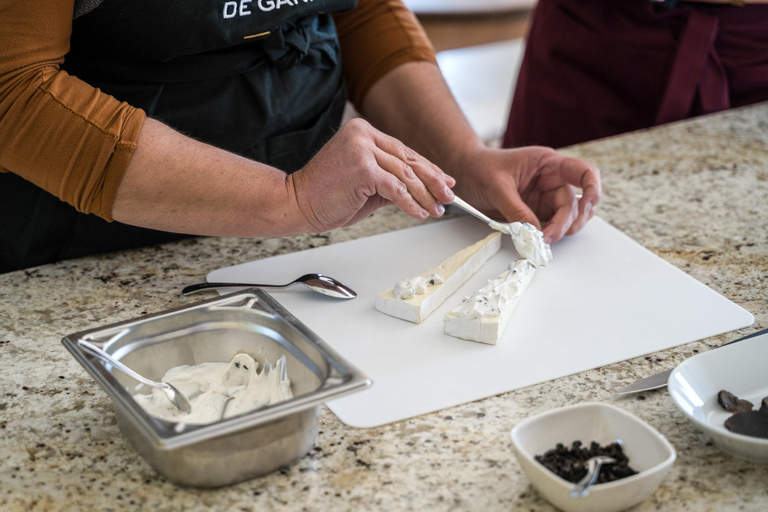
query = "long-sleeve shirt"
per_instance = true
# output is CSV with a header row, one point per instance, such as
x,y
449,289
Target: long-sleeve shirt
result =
x,y
74,141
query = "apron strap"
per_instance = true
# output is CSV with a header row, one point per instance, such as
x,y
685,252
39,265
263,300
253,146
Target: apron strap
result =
x,y
696,68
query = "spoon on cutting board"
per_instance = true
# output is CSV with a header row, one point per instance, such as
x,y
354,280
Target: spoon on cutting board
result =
x,y
315,282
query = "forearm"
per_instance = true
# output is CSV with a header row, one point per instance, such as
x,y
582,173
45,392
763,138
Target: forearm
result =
x,y
413,103
174,183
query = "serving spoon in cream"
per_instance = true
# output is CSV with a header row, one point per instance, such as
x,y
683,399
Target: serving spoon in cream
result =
x,y
176,397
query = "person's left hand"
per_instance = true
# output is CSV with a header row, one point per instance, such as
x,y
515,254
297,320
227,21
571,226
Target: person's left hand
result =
x,y
532,184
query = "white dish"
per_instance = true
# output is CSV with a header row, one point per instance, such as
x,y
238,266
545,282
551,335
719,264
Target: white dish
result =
x,y
738,368
649,453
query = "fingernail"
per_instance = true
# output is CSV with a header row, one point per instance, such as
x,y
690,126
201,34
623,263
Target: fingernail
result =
x,y
586,208
547,239
450,194
440,209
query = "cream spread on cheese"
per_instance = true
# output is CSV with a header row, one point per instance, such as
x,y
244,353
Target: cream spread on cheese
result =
x,y
416,286
490,300
529,241
218,390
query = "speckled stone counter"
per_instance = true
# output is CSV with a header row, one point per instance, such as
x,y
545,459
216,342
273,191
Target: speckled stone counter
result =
x,y
695,193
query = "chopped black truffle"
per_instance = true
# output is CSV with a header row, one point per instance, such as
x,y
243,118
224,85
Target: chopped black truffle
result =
x,y
571,465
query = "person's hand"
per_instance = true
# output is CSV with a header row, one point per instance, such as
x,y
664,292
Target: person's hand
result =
x,y
531,184
361,169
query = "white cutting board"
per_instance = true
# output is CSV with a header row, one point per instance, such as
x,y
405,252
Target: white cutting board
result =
x,y
603,299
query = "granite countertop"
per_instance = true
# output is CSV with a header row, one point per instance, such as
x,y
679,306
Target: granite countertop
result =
x,y
693,192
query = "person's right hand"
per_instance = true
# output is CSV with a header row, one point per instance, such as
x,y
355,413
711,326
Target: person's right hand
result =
x,y
361,169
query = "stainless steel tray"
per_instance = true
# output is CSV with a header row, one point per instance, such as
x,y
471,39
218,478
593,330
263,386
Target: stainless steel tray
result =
x,y
236,448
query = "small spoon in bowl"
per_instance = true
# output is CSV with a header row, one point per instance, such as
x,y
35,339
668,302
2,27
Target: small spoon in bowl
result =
x,y
315,282
176,397
584,485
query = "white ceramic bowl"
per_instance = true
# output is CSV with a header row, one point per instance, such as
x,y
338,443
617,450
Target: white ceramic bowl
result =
x,y
738,368
649,453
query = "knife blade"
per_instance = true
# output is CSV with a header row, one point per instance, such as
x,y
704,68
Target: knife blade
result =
x,y
656,381
660,379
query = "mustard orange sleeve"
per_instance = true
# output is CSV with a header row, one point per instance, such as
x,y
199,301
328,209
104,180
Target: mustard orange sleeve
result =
x,y
376,37
57,131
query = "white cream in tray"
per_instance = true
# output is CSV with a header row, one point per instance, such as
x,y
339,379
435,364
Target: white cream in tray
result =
x,y
482,316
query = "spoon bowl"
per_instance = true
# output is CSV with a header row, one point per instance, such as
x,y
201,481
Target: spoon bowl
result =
x,y
176,397
315,282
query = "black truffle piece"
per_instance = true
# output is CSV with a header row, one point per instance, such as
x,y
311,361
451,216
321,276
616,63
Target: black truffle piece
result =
x,y
744,421
749,423
732,403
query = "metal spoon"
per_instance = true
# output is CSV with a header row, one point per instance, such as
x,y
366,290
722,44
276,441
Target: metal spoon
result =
x,y
176,397
315,282
584,485
504,227
477,213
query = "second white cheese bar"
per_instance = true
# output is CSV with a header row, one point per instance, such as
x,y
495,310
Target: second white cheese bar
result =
x,y
416,298
484,315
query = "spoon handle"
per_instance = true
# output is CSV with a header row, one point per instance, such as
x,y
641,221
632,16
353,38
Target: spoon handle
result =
x,y
582,487
194,288
471,209
93,349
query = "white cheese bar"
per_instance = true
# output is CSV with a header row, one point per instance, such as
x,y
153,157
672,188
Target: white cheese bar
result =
x,y
484,316
453,272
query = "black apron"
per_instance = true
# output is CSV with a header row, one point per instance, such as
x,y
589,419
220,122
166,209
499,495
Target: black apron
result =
x,y
260,78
